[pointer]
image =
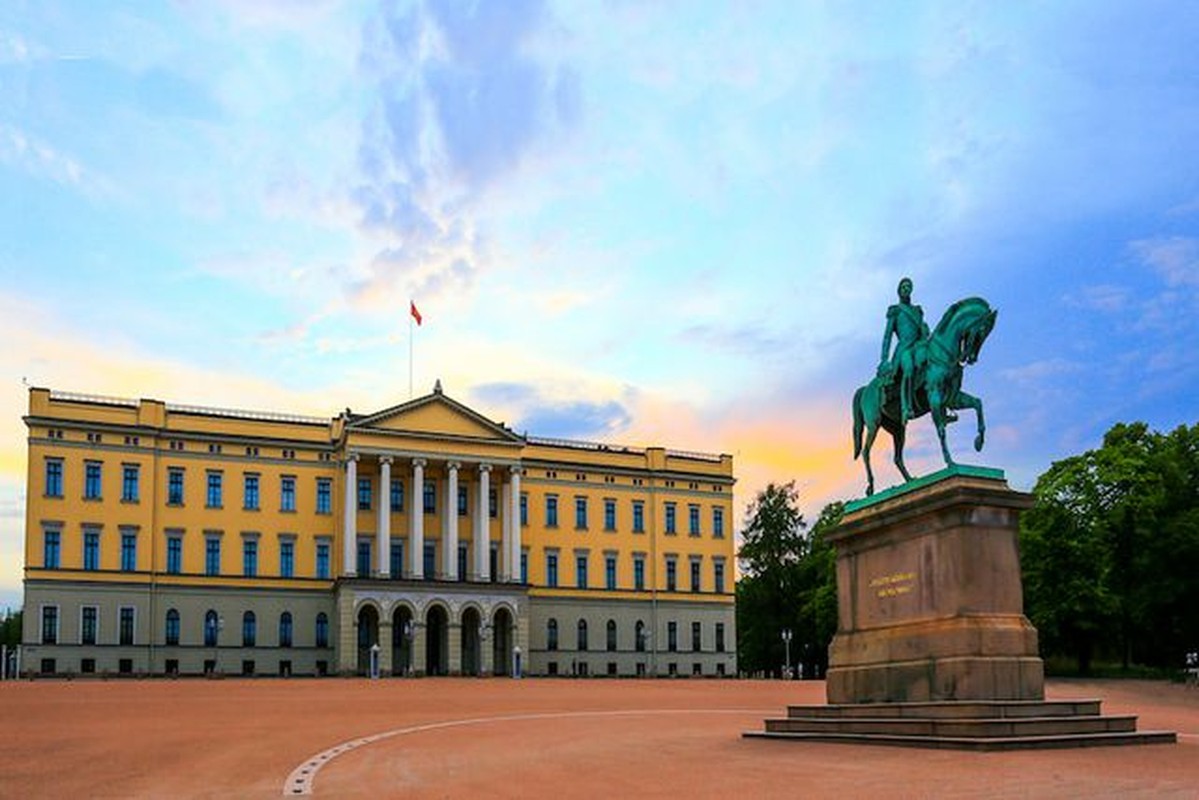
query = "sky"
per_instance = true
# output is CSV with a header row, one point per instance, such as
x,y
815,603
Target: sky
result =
x,y
653,223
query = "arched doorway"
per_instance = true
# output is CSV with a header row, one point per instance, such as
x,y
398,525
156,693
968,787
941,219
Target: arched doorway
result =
x,y
402,631
437,641
471,651
368,636
501,641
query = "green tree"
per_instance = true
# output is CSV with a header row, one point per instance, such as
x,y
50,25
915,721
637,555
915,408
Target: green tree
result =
x,y
1111,547
10,628
787,582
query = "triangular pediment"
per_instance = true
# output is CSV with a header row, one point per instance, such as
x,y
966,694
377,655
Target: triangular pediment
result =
x,y
435,415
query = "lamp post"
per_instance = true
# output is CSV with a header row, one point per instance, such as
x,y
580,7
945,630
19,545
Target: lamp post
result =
x,y
787,644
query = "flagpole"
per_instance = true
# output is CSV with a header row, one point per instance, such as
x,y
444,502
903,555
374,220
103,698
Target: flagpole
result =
x,y
410,334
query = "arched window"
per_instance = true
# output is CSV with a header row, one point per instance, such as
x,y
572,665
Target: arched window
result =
x,y
172,627
285,629
582,634
640,636
611,635
551,635
322,630
212,628
249,629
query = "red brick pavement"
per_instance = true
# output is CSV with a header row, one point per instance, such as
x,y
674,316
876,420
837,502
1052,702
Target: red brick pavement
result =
x,y
532,738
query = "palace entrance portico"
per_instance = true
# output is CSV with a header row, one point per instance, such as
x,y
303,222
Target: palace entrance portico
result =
x,y
430,627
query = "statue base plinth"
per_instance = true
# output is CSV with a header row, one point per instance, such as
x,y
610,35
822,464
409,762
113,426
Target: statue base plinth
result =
x,y
929,598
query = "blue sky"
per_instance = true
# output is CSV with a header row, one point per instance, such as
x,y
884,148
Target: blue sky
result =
x,y
667,223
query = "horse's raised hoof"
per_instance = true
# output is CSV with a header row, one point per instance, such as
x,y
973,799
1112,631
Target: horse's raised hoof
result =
x,y
978,443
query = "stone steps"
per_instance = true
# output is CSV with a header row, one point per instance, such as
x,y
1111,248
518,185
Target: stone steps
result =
x,y
964,725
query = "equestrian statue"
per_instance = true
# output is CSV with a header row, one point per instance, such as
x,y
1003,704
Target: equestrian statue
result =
x,y
922,376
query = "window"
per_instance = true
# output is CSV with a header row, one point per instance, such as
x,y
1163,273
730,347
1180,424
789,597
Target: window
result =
x,y
524,567
364,494
719,637
50,547
322,560
638,516
639,573
430,559
212,628
492,503
639,637
551,569
671,574
718,577
396,556
91,549
609,514
175,486
582,637
249,557
129,476
322,630
88,622
718,523
126,629
695,568
249,629
430,497
672,636
91,480
696,637
493,555
364,557
212,556
251,492
670,518
551,635
324,496
174,554
551,511
287,493
49,624
172,631
611,638
214,490
128,551
581,570
693,520
463,557
397,495
285,629
524,509
287,558
581,513
53,477
610,572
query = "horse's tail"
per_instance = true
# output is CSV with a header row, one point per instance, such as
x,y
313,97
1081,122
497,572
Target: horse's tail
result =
x,y
859,422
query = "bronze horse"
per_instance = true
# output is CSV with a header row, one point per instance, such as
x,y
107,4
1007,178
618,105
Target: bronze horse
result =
x,y
936,386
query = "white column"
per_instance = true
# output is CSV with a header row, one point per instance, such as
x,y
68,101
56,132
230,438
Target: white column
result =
x,y
349,532
503,567
416,519
384,527
449,523
483,526
513,546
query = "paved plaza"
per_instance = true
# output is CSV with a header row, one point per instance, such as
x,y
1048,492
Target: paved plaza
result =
x,y
533,738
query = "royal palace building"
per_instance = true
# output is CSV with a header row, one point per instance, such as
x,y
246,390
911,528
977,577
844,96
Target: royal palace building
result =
x,y
421,539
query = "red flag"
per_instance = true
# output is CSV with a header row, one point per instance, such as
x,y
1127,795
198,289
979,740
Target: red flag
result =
x,y
415,313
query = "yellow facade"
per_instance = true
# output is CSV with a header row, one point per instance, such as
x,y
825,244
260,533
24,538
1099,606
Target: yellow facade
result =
x,y
131,495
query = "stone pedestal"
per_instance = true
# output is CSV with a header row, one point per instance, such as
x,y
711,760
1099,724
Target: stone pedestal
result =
x,y
929,597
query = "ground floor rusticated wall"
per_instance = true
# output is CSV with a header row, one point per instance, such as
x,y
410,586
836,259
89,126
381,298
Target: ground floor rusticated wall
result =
x,y
365,626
